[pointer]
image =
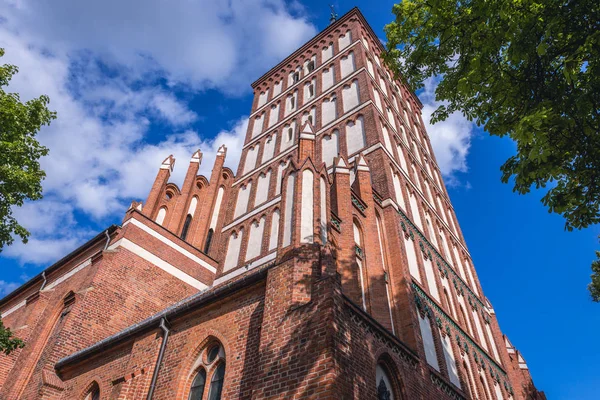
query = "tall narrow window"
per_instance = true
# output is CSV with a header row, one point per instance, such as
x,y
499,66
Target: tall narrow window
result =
x,y
450,360
198,384
483,381
251,158
287,136
355,136
208,240
160,217
328,110
398,191
345,40
329,147
277,88
269,148
428,343
431,282
258,124
307,228
385,390
311,66
186,226
327,52
255,239
360,255
473,386
217,209
233,250
262,188
243,197
350,96
411,256
216,383
347,65
274,237
274,114
323,208
432,236
327,78
288,217
415,210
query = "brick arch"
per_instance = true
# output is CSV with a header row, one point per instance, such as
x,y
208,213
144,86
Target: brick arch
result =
x,y
173,187
89,387
201,182
192,362
384,358
227,173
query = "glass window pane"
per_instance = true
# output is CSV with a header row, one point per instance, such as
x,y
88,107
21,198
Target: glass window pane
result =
x,y
212,354
198,386
216,383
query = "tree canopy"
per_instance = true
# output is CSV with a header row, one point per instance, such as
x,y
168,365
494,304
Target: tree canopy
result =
x,y
20,172
526,69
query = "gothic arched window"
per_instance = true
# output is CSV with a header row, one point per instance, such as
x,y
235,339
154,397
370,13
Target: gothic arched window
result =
x,y
197,390
216,383
93,393
385,390
186,226
211,373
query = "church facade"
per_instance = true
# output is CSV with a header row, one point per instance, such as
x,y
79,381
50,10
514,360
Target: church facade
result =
x,y
330,265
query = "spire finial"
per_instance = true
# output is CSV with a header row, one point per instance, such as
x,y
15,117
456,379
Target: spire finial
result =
x,y
333,16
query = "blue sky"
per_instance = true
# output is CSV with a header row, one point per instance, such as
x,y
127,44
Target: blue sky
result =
x,y
136,81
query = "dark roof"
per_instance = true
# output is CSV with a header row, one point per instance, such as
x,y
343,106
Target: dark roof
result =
x,y
99,237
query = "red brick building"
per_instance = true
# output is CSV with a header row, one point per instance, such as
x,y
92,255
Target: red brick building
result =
x,y
330,266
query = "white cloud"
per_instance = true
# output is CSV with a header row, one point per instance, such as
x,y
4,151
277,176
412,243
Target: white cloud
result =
x,y
451,139
7,287
205,43
100,64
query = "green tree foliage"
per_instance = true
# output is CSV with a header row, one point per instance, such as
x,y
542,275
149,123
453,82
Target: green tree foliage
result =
x,y
526,69
20,173
8,342
594,286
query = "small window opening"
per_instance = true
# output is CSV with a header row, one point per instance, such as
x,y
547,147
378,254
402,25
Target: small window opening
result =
x,y
311,66
208,240
311,90
290,134
212,354
186,226
296,77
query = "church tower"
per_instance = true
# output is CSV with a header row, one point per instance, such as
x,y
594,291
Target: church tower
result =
x,y
336,155
331,264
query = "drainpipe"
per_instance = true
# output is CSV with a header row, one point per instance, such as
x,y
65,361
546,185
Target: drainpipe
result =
x,y
107,239
43,283
163,326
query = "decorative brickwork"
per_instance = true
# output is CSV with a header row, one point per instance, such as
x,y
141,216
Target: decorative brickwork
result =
x,y
322,269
